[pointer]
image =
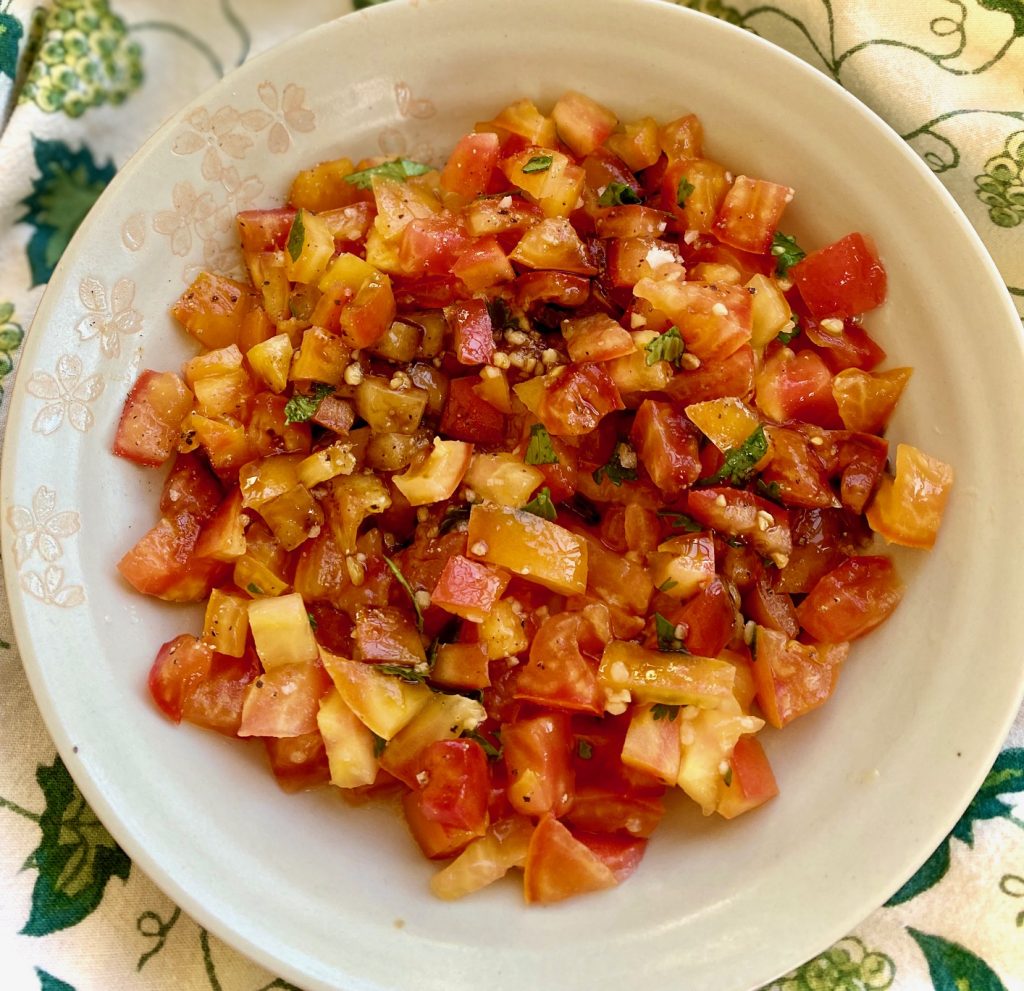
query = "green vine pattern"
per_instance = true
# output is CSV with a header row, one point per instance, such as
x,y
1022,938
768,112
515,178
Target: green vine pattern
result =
x,y
847,966
1001,186
11,336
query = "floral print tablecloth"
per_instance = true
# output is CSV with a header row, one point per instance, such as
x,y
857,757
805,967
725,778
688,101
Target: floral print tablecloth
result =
x,y
83,83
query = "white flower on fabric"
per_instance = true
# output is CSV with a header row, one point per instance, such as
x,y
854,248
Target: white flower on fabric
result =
x,y
68,396
41,528
214,135
109,318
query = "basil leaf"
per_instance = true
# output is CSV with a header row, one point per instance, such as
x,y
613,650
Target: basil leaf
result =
x,y
784,337
296,237
738,467
667,585
618,194
453,516
661,711
683,191
301,408
400,169
539,450
680,521
492,751
379,743
542,506
410,675
584,749
539,163
787,253
615,471
666,347
668,642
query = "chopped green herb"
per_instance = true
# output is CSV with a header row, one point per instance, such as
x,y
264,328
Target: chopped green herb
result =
x,y
584,749
539,450
399,168
397,572
787,253
492,751
253,589
541,505
296,237
683,191
539,163
615,471
770,490
666,347
727,777
667,585
618,194
301,408
453,516
502,317
379,743
411,675
680,521
738,467
668,642
661,711
312,621
786,336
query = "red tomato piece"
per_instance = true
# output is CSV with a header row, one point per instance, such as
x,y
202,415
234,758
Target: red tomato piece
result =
x,y
191,488
709,618
424,292
181,664
469,588
797,471
750,213
470,164
732,376
265,230
577,400
163,562
851,600
436,840
666,445
536,755
620,854
843,279
608,809
469,418
298,762
284,701
735,512
216,702
753,781
268,430
562,669
150,423
483,264
458,784
797,387
472,332
851,347
793,678
770,608
559,288
558,866
430,246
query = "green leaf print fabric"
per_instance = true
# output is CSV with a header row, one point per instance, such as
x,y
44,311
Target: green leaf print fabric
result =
x,y
84,82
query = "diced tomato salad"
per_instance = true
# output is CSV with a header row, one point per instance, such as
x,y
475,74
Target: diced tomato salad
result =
x,y
528,488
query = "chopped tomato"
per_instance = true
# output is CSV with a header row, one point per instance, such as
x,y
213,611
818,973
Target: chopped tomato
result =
x,y
468,417
472,334
150,424
752,779
842,280
851,600
181,665
283,701
666,445
562,669
558,866
163,563
750,213
536,756
457,784
470,165
575,401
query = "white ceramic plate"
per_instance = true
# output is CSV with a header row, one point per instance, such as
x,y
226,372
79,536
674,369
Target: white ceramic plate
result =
x,y
334,897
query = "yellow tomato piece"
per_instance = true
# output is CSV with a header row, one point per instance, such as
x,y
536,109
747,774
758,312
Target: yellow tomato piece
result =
x,y
349,744
281,631
669,678
907,509
726,422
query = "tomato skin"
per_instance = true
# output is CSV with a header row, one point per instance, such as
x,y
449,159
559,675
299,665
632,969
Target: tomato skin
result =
x,y
709,618
469,418
536,755
750,213
559,866
753,781
772,609
560,288
265,230
558,673
732,376
841,280
472,333
598,809
469,167
191,488
620,854
577,400
797,387
458,784
468,588
163,562
734,512
797,470
436,840
283,701
150,423
181,664
793,678
666,445
431,246
216,702
851,600
907,509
